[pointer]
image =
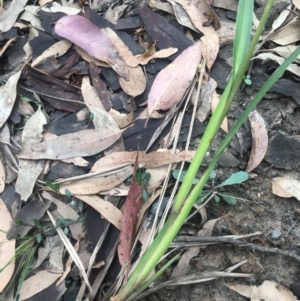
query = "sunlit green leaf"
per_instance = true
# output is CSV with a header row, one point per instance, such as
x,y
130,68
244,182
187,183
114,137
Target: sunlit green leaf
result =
x,y
236,178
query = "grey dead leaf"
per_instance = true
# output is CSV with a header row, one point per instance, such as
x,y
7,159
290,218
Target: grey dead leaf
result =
x,y
37,283
8,95
164,6
80,144
2,177
9,17
183,266
227,4
106,209
66,212
151,160
30,170
268,290
96,184
137,80
260,140
214,102
56,50
206,96
286,187
7,247
31,18
289,34
181,16
294,68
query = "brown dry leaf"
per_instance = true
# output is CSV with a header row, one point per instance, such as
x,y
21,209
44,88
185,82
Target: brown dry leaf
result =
x,y
144,60
96,184
289,34
260,140
151,160
106,209
183,266
37,283
66,212
265,57
8,94
9,17
80,144
214,102
30,170
7,247
286,187
268,290
6,45
2,177
56,50
210,40
137,80
89,58
123,120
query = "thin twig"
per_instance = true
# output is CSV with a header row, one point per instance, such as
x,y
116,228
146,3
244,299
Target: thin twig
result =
x,y
187,241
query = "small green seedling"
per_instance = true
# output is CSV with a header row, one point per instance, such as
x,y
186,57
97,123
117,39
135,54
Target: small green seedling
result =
x,y
143,179
53,186
248,80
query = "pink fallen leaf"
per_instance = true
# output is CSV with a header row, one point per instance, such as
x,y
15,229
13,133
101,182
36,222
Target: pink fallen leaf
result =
x,y
131,209
259,140
89,37
171,82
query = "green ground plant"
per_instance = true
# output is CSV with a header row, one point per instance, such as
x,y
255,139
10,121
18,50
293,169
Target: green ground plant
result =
x,y
190,191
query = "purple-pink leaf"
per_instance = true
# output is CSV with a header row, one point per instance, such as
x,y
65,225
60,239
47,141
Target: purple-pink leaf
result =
x,y
89,37
171,82
131,209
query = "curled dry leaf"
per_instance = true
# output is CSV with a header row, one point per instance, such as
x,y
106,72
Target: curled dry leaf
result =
x,y
7,247
2,177
151,160
80,144
8,95
286,187
89,37
136,83
106,209
123,120
259,140
171,82
89,58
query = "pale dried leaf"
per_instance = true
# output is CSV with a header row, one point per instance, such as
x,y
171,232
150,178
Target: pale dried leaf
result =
x,y
287,35
214,102
106,209
285,51
270,56
96,184
2,177
8,95
9,17
286,187
7,247
123,120
6,45
37,283
66,212
32,19
296,3
30,170
151,160
56,50
136,84
164,6
268,290
83,143
226,32
260,140
171,83
89,58
281,18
